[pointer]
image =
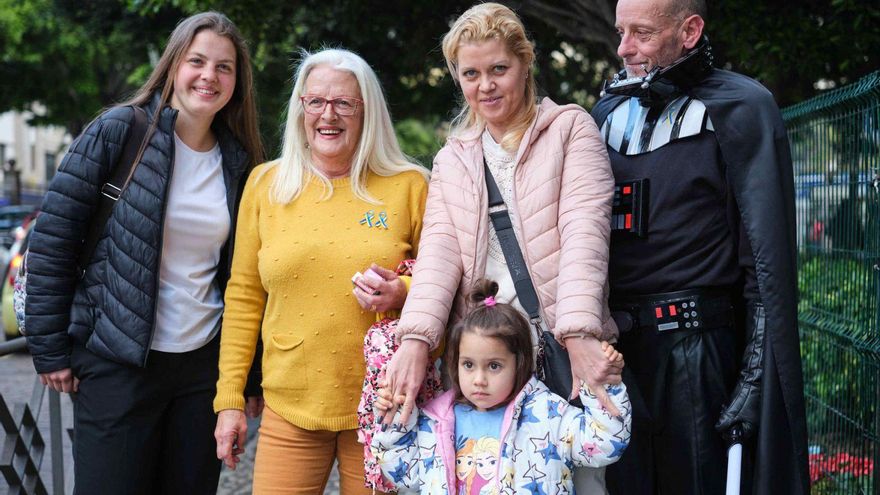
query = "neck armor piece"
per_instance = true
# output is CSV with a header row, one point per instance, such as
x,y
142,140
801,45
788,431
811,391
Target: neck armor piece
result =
x,y
662,84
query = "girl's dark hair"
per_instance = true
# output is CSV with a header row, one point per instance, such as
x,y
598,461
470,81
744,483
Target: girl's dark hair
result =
x,y
501,321
240,113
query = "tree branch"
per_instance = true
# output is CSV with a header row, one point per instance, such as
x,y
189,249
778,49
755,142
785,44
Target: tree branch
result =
x,y
589,21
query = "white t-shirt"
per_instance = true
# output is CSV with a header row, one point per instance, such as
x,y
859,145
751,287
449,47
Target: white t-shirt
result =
x,y
197,225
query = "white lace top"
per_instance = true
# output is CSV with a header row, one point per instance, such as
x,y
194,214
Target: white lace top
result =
x,y
501,163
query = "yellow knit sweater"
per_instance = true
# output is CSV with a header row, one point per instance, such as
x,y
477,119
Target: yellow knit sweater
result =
x,y
291,279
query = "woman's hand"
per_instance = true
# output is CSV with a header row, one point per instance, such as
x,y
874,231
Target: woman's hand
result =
x,y
404,376
231,435
591,363
60,380
391,291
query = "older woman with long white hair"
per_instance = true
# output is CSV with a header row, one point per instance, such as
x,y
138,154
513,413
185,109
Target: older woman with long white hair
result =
x,y
341,198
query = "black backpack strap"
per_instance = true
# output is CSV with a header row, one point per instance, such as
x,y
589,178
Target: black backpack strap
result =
x,y
120,176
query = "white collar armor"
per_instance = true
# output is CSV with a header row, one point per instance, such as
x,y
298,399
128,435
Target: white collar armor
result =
x,y
662,84
633,129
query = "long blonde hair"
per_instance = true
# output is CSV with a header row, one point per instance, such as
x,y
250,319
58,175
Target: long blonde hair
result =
x,y
484,22
378,150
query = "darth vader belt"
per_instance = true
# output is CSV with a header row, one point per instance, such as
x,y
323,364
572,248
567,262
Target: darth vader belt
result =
x,y
692,309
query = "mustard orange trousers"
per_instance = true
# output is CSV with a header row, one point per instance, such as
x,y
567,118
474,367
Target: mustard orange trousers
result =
x,y
294,461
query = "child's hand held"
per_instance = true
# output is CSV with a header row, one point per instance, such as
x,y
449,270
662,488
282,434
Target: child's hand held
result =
x,y
383,401
612,355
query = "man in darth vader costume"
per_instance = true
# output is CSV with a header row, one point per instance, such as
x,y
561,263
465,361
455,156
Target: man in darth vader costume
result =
x,y
703,267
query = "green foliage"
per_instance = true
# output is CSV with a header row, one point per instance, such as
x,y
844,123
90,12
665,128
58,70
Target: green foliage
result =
x,y
837,312
789,46
846,483
71,58
418,139
838,293
75,57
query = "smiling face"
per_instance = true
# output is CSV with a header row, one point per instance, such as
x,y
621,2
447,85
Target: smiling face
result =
x,y
205,78
464,465
486,464
486,370
333,138
650,36
493,82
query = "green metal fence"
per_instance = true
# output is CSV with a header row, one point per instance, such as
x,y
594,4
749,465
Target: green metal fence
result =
x,y
835,144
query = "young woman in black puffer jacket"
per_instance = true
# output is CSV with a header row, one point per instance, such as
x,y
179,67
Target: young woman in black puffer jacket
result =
x,y
136,333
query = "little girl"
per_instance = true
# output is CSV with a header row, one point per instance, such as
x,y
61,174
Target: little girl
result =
x,y
499,430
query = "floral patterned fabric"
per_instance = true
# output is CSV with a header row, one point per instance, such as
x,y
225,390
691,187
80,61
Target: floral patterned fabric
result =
x,y
19,294
379,346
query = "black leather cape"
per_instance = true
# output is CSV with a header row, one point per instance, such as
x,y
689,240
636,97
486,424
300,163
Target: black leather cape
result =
x,y
754,146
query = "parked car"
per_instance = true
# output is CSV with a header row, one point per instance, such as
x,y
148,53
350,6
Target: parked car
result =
x,y
10,218
16,257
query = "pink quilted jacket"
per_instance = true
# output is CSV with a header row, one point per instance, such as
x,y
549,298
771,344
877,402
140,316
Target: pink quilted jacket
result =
x,y
563,189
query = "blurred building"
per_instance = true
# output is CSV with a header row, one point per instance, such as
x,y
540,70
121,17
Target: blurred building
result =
x,y
29,156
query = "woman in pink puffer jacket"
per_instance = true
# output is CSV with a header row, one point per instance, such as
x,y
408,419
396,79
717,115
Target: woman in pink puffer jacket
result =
x,y
553,172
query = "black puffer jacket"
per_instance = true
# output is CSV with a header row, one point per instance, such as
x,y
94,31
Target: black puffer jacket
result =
x,y
112,308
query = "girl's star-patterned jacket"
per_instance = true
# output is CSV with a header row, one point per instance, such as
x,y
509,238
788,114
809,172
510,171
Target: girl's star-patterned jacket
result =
x,y
543,438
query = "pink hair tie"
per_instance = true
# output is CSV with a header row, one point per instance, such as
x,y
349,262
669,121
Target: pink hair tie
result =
x,y
489,301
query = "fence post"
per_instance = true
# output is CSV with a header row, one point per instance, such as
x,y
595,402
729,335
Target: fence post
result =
x,y
55,432
12,182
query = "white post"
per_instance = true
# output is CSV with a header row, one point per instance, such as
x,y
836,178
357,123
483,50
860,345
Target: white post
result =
x,y
734,468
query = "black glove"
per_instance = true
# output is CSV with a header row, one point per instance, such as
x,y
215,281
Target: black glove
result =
x,y
745,402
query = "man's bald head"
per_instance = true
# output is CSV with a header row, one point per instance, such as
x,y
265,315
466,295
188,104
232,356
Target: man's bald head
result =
x,y
656,32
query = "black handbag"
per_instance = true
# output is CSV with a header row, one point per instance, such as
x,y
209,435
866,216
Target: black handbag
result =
x,y
553,365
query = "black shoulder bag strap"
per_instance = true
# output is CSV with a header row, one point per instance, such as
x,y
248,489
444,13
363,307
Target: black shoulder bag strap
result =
x,y
522,282
554,367
120,176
